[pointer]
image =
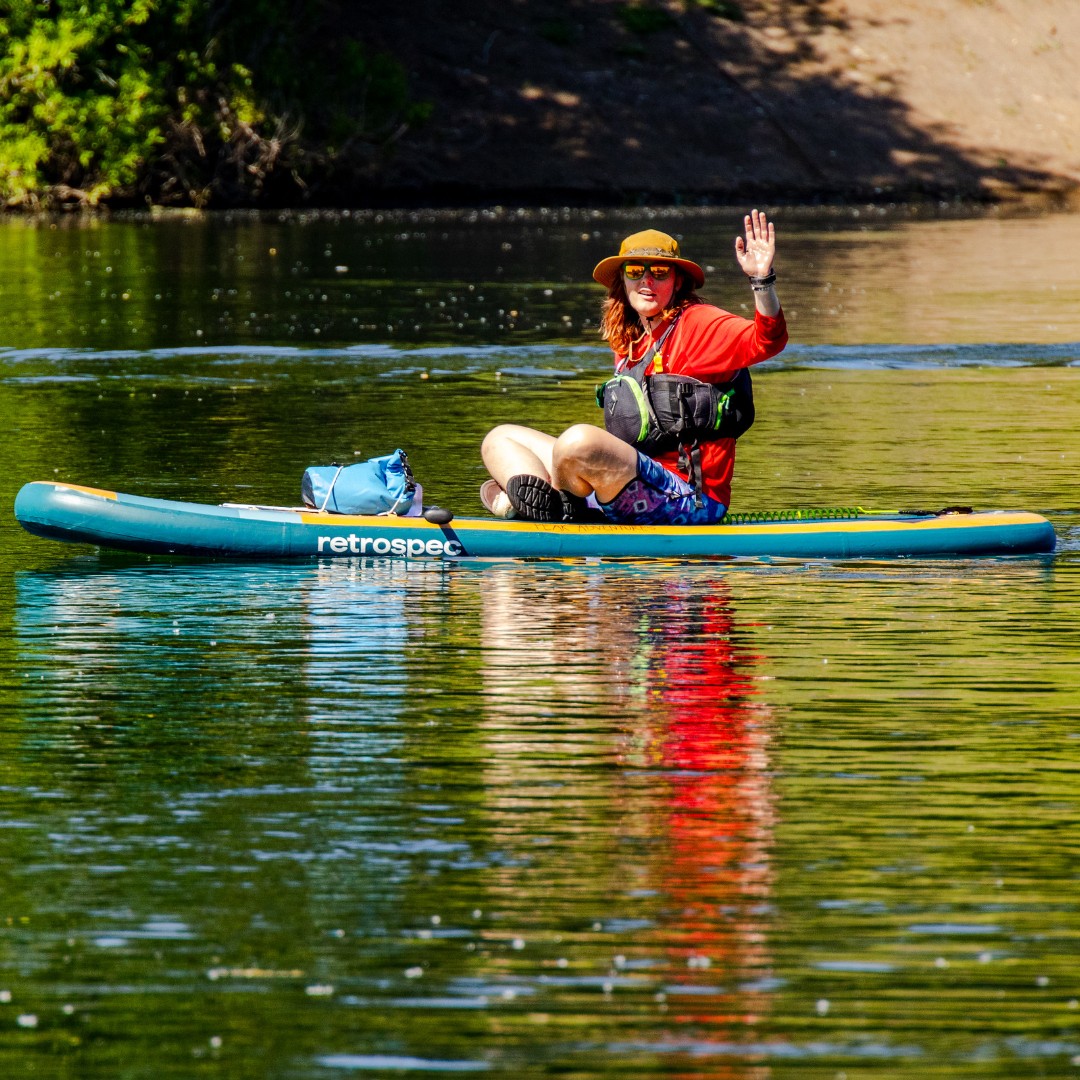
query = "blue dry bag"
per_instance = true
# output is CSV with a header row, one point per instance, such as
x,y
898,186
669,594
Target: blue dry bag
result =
x,y
381,485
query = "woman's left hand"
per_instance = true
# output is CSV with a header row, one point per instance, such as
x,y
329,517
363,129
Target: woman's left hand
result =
x,y
757,251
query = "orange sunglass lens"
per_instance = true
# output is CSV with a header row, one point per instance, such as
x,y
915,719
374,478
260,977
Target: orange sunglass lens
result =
x,y
636,271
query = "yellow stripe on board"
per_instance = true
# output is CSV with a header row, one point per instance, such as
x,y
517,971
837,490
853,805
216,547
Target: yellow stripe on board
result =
x,y
86,490
381,521
782,528
947,521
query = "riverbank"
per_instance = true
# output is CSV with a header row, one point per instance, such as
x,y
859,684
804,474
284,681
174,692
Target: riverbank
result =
x,y
548,103
585,103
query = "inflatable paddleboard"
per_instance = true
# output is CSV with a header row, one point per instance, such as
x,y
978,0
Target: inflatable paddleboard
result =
x,y
111,519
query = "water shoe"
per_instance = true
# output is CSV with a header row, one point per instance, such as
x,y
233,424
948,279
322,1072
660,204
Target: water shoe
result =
x,y
495,500
534,499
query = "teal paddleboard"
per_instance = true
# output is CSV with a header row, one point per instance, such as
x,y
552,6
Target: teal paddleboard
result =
x,y
111,519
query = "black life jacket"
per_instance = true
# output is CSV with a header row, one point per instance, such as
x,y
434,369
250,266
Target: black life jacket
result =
x,y
660,412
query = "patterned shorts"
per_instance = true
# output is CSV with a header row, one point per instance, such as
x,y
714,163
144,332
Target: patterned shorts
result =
x,y
657,496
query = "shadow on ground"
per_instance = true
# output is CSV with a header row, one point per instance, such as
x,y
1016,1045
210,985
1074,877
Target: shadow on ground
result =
x,y
581,100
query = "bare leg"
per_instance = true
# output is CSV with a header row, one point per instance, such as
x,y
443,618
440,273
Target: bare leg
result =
x,y
587,458
582,460
512,450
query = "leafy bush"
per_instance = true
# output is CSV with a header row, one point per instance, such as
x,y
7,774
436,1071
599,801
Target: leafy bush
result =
x,y
186,101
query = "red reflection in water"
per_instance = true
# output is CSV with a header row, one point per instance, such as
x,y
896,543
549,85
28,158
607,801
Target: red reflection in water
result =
x,y
685,833
708,740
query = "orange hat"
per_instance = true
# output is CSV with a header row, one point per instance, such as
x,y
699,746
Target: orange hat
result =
x,y
650,244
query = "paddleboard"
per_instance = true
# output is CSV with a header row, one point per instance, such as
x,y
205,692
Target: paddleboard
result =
x,y
111,519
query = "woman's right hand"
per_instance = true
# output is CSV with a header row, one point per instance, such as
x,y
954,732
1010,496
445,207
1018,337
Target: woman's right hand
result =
x,y
757,250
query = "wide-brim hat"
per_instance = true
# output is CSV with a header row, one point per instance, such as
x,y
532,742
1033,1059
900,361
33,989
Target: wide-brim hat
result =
x,y
650,244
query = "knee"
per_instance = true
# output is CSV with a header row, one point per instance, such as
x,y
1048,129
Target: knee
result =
x,y
578,443
496,440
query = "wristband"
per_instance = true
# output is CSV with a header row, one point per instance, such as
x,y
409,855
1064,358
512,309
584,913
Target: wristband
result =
x,y
763,284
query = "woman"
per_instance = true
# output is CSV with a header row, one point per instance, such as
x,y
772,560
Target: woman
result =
x,y
657,326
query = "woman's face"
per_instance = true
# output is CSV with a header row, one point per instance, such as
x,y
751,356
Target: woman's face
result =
x,y
647,295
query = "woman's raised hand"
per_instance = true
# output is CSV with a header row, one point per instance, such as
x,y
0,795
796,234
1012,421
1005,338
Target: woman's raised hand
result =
x,y
756,252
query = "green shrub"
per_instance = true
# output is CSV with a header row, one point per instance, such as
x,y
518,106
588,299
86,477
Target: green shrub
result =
x,y
186,101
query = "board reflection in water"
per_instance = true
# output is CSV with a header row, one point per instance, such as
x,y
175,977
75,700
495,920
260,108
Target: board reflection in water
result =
x,y
405,790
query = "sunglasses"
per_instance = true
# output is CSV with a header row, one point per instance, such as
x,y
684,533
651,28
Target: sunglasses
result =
x,y
657,271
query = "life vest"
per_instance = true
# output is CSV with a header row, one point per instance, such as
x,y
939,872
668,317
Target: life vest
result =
x,y
658,412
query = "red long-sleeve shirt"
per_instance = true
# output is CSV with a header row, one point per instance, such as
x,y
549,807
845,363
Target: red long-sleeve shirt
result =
x,y
711,344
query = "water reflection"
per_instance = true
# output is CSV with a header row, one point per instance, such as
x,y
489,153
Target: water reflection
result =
x,y
375,816
657,679
519,277
379,784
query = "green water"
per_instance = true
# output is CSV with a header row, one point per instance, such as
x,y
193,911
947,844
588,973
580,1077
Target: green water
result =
x,y
353,818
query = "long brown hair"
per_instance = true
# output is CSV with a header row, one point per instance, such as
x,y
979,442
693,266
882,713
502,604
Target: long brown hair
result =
x,y
620,324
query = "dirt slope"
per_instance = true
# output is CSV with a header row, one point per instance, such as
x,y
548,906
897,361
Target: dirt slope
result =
x,y
604,101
